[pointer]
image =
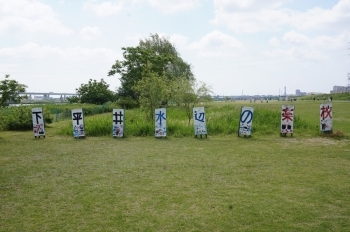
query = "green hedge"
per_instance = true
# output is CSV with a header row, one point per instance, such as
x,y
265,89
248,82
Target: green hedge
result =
x,y
20,118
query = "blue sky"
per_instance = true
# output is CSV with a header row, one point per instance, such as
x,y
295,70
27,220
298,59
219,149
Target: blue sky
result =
x,y
250,46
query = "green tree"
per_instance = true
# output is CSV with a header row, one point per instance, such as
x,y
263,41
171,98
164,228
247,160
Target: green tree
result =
x,y
151,90
95,92
157,54
189,93
73,99
175,66
10,91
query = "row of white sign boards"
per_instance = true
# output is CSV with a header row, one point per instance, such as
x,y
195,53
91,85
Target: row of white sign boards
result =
x,y
200,127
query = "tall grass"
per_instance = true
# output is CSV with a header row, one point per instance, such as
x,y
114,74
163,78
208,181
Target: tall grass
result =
x,y
62,112
220,121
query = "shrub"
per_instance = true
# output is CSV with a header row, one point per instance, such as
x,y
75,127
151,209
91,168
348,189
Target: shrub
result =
x,y
20,118
127,103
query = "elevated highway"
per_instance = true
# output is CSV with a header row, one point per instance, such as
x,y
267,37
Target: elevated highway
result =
x,y
47,95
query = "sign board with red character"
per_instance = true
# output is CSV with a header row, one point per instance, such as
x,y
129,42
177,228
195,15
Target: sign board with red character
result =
x,y
38,122
160,122
326,117
287,119
78,123
118,123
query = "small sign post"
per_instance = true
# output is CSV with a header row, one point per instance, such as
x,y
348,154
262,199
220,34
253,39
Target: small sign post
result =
x,y
78,123
287,120
118,123
245,121
326,118
199,121
160,122
38,122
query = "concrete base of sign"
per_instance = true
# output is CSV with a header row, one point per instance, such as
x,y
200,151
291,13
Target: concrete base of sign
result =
x,y
239,135
80,137
196,136
39,136
245,136
161,137
285,134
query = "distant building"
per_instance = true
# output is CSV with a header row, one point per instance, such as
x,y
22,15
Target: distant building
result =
x,y
298,93
340,89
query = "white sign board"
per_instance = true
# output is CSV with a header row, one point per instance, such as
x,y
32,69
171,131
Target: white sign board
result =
x,y
246,120
118,123
78,123
160,122
38,122
200,126
326,118
287,119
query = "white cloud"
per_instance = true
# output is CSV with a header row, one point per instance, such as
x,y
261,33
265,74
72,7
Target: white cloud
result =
x,y
216,44
30,51
108,8
79,53
214,54
252,21
257,16
329,42
173,6
179,40
295,54
336,17
274,41
216,39
89,33
105,8
296,38
35,51
29,16
305,47
230,5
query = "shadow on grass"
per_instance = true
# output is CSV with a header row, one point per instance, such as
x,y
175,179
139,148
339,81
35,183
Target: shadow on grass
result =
x,y
334,135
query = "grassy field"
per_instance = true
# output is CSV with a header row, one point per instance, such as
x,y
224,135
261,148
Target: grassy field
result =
x,y
223,183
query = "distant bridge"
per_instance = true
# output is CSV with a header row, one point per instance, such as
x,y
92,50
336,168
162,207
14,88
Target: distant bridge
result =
x,y
46,95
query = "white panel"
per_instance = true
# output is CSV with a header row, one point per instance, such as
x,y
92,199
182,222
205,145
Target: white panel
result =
x,y
199,122
246,120
118,122
38,122
78,123
160,122
326,117
287,119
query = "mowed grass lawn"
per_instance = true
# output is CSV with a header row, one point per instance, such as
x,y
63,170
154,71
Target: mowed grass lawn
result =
x,y
222,183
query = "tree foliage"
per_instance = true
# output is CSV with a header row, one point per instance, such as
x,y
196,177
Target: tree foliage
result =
x,y
151,90
175,66
95,92
10,91
188,93
156,54
73,99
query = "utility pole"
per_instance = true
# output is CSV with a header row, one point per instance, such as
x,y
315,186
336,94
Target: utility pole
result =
x,y
348,88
